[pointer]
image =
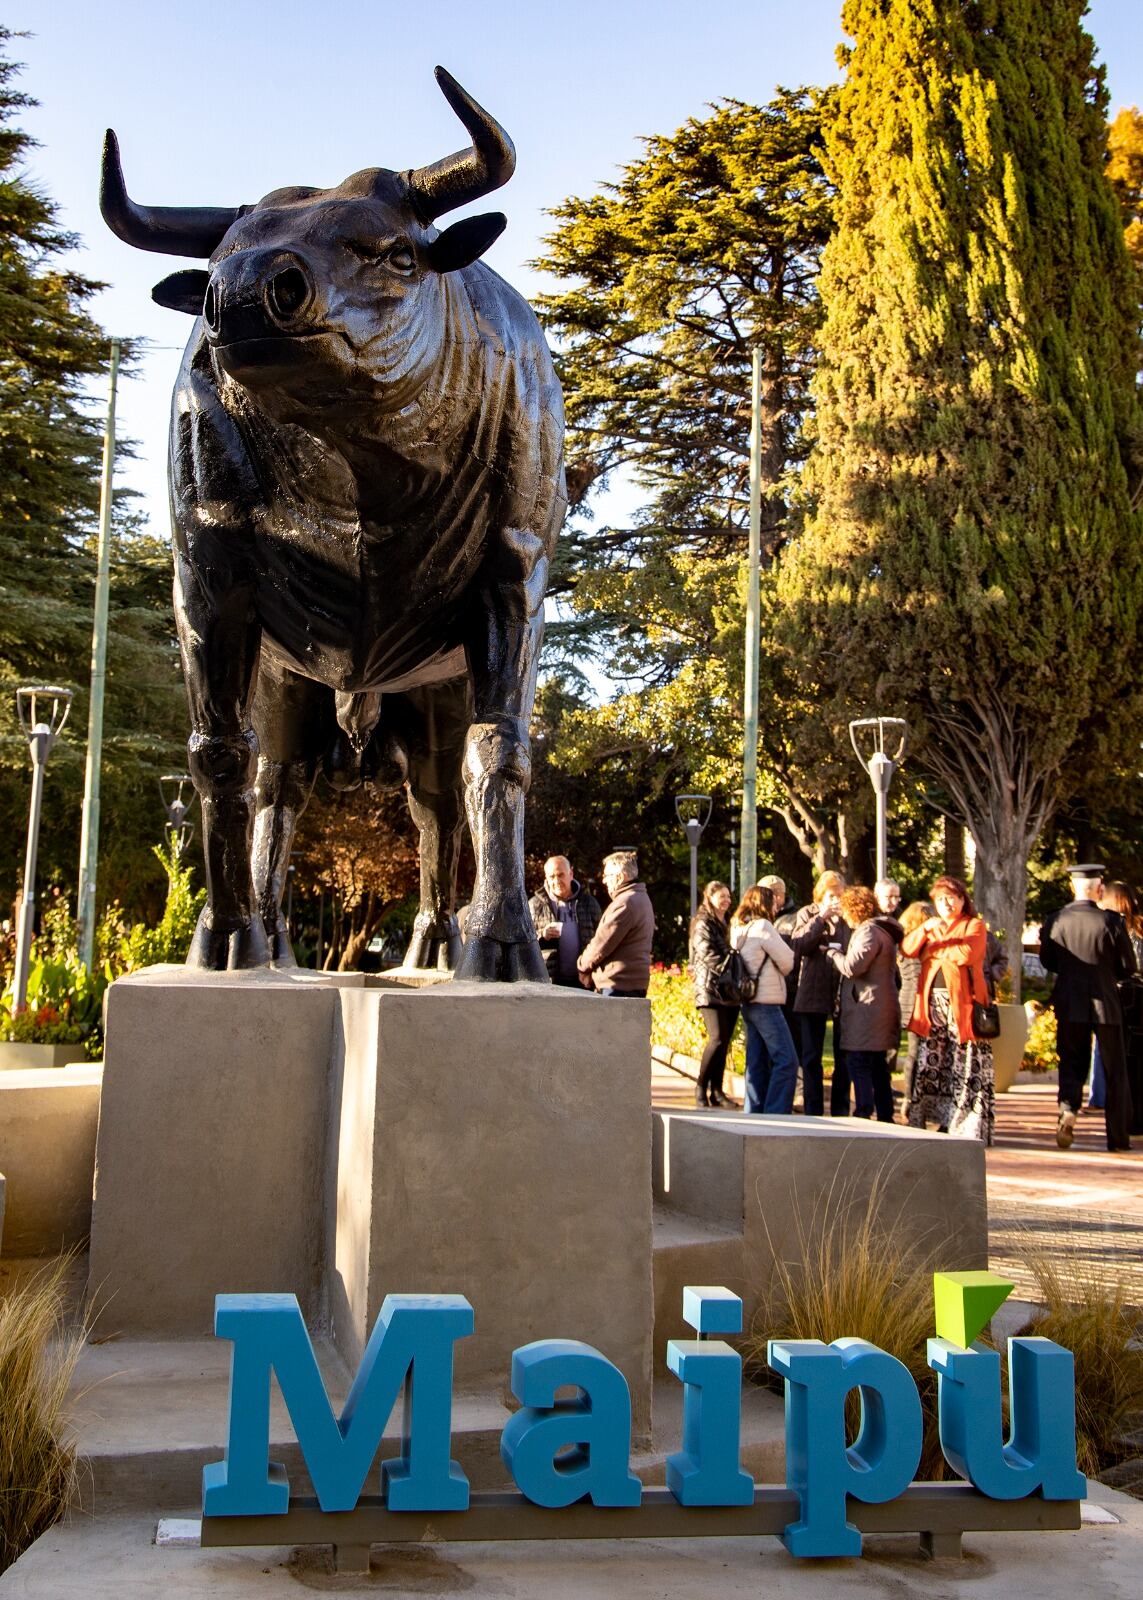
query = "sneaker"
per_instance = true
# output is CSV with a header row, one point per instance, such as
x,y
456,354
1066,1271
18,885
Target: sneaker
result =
x,y
1066,1128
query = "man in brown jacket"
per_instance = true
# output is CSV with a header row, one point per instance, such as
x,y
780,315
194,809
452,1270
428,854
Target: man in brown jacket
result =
x,y
618,959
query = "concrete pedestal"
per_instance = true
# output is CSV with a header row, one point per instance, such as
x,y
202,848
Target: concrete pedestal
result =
x,y
778,1186
347,1139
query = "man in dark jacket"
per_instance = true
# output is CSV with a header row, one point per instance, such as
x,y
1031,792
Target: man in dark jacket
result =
x,y
565,917
618,959
1090,952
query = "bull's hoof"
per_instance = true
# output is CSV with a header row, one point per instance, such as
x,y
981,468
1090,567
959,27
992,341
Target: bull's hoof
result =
x,y
238,949
435,945
281,950
488,960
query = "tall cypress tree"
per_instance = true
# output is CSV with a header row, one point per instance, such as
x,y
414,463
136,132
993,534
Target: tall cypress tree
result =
x,y
971,558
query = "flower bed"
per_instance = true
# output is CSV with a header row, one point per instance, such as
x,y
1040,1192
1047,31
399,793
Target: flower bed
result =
x,y
675,1024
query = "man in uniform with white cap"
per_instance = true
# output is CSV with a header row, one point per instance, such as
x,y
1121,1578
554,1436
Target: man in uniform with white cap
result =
x,y
1090,952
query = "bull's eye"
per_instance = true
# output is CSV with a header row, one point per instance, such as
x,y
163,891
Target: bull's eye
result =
x,y
402,258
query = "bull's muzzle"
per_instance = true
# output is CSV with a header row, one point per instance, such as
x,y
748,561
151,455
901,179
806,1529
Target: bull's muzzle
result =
x,y
255,294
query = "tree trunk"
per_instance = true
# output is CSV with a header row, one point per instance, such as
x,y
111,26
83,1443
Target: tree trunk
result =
x,y
954,848
1001,895
988,770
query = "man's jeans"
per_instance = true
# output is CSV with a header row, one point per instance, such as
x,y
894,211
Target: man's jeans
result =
x,y
771,1073
610,992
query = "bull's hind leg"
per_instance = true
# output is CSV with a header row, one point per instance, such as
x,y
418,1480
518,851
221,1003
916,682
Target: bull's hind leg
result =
x,y
432,723
294,718
220,640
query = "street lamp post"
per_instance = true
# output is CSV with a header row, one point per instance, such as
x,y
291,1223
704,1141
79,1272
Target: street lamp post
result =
x,y
753,613
42,727
89,827
180,830
693,812
879,733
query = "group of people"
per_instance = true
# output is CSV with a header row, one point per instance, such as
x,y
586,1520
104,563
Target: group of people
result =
x,y
608,951
847,961
853,961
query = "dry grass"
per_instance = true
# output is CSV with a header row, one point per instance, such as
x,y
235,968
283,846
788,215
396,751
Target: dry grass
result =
x,y
858,1272
38,1353
1087,1311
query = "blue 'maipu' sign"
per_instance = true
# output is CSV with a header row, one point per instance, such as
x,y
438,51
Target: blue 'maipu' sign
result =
x,y
560,1452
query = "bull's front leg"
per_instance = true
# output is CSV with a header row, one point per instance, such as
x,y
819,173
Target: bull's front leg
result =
x,y
503,638
220,640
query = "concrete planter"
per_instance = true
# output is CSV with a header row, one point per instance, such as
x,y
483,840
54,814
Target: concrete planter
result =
x,y
26,1057
47,1155
1008,1050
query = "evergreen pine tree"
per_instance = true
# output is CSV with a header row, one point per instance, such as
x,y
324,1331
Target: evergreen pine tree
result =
x,y
706,247
51,437
971,558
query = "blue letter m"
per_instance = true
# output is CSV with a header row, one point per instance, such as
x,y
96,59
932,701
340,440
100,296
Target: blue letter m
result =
x,y
413,1339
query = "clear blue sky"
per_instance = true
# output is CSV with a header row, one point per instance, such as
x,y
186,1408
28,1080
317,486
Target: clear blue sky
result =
x,y
220,101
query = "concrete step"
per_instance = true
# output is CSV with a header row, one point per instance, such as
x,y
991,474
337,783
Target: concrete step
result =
x,y
147,1417
684,1250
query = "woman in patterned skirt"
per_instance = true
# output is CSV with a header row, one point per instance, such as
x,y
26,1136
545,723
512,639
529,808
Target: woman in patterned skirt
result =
x,y
953,1081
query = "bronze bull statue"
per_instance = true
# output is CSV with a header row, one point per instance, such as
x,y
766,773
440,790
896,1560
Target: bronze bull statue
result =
x,y
366,475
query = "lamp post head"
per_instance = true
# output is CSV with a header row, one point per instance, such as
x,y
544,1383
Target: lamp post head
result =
x,y
693,811
43,709
884,737
171,792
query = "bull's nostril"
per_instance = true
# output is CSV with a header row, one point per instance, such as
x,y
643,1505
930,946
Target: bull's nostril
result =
x,y
210,307
288,291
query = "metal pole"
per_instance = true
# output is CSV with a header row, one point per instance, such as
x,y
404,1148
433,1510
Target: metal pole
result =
x,y
25,924
749,859
89,833
733,886
882,836
694,877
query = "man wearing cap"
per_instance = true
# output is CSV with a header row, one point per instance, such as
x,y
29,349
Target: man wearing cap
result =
x,y
1090,952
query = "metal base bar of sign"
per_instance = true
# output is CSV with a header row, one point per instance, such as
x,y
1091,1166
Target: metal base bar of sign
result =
x,y
939,1512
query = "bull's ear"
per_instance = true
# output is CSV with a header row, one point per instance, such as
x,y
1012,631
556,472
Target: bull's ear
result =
x,y
466,241
182,291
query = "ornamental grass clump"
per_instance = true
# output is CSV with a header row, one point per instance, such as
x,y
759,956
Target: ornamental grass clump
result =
x,y
38,1353
1089,1313
857,1271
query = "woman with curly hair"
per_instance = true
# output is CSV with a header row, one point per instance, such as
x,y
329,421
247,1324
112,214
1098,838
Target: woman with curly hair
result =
x,y
953,1081
870,1011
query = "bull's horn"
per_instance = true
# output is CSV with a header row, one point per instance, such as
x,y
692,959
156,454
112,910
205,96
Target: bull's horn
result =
x,y
488,162
171,230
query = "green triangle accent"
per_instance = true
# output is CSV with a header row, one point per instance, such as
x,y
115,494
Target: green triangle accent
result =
x,y
964,1302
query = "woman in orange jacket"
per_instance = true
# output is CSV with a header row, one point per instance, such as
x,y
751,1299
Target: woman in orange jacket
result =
x,y
953,1083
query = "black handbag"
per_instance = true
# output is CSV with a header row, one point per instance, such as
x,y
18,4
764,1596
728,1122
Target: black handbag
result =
x,y
985,1016
736,984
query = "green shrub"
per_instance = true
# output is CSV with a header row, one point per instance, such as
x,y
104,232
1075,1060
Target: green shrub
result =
x,y
65,998
1040,1053
128,948
676,1025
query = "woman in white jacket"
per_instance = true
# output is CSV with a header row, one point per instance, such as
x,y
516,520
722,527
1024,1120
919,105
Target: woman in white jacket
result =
x,y
770,1085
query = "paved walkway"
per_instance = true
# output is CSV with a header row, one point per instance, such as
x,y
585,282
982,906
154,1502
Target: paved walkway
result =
x,y
1081,1204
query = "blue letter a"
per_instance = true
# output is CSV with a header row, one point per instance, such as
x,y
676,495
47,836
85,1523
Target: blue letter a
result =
x,y
413,1339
